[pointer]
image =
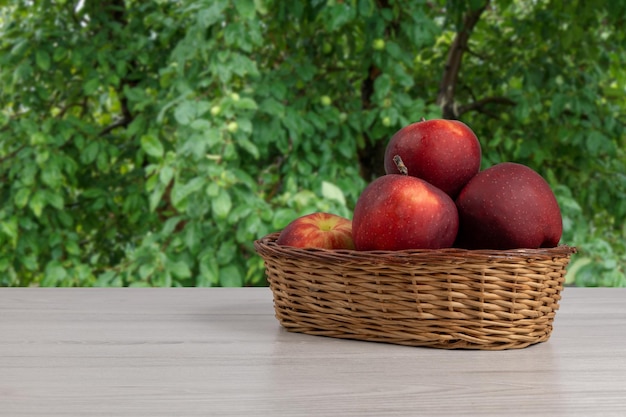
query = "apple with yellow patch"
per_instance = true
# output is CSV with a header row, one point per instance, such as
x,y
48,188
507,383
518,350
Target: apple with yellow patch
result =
x,y
318,230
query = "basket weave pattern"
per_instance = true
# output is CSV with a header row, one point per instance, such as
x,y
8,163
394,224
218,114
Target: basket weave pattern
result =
x,y
448,298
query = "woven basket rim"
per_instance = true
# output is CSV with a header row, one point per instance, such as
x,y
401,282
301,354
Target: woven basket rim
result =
x,y
267,246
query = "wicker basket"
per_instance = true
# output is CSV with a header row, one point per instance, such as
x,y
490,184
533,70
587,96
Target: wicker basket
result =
x,y
448,298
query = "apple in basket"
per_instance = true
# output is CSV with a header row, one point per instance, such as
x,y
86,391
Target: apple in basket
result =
x,y
446,153
508,206
399,211
318,230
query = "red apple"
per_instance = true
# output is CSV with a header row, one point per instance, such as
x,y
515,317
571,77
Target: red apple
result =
x,y
508,206
397,212
318,230
446,153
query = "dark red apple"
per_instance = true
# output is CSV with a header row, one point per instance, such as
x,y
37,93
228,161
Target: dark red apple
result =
x,y
446,153
318,230
508,206
397,212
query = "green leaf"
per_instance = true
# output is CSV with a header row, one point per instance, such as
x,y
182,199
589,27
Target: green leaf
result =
x,y
42,58
209,270
306,71
332,192
200,124
54,274
146,270
71,246
51,173
139,284
181,191
382,85
242,65
37,203
55,200
226,252
152,146
107,279
246,103
212,190
20,47
21,197
366,7
156,196
395,51
272,107
59,54
574,267
249,147
195,145
231,276
10,228
30,263
137,126
213,137
339,15
185,112
170,224
90,152
179,269
282,217
23,72
91,86
221,204
193,235
208,16
4,264
245,8
166,174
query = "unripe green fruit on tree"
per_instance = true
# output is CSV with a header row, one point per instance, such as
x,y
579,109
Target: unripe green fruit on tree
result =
x,y
378,44
343,116
232,127
215,110
234,96
326,101
386,121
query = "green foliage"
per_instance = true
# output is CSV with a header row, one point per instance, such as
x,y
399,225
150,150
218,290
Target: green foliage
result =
x,y
150,143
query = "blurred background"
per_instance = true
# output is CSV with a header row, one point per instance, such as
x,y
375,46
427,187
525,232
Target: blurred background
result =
x,y
149,143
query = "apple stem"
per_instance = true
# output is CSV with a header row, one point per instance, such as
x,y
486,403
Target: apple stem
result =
x,y
401,167
422,119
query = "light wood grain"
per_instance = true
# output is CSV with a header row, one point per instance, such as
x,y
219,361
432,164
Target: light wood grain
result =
x,y
221,352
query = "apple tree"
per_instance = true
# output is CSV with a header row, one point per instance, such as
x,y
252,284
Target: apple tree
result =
x,y
150,143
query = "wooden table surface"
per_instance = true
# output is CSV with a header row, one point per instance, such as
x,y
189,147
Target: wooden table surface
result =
x,y
220,352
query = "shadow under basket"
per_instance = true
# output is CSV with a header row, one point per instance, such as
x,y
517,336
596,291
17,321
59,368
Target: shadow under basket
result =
x,y
446,298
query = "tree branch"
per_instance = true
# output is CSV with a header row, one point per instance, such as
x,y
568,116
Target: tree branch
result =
x,y
123,122
65,109
12,154
479,105
445,98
